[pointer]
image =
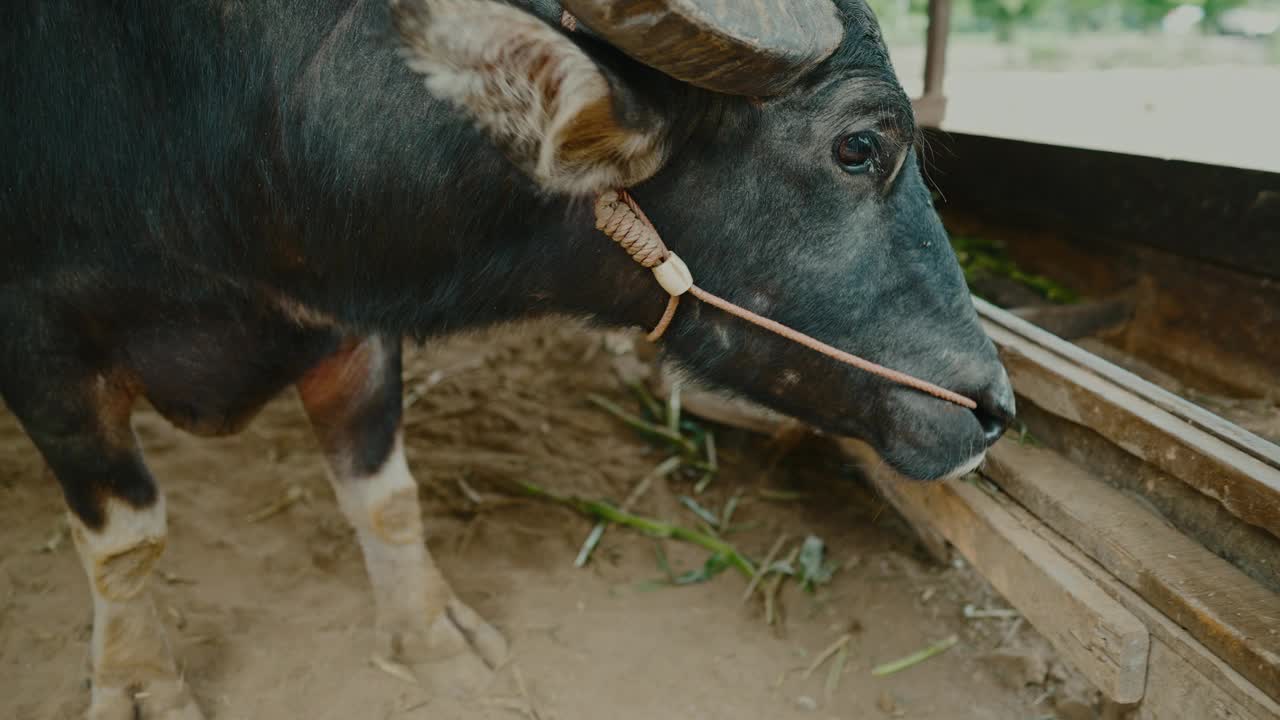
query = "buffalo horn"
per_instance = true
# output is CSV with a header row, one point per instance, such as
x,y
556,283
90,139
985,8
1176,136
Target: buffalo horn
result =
x,y
738,47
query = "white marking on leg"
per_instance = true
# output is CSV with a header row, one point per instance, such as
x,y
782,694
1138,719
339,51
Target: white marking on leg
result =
x,y
410,593
131,661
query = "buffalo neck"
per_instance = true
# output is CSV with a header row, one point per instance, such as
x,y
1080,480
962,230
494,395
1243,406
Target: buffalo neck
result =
x,y
400,216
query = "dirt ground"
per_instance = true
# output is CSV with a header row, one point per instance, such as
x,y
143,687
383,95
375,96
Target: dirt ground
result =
x,y
270,612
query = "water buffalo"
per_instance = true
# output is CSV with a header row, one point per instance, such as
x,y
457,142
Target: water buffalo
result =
x,y
205,202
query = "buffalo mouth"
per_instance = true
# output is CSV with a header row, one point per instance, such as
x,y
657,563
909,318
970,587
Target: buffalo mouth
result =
x,y
922,440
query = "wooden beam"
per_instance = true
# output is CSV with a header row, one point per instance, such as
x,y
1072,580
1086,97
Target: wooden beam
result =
x,y
936,34
1221,215
1195,514
1029,335
1223,608
1176,690
920,522
1106,642
929,110
1082,319
931,107
1210,681
1218,458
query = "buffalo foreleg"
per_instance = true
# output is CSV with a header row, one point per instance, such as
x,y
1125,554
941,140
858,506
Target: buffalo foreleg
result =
x,y
354,401
77,413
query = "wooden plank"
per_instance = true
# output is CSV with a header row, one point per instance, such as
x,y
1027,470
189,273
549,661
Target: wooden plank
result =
x,y
1212,678
890,488
920,523
1079,320
1219,214
1254,550
1245,485
1106,642
1028,334
929,109
1225,609
1177,691
1178,323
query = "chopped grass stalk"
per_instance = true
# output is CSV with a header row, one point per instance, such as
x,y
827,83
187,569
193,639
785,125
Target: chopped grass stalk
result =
x,y
470,492
832,649
973,613
524,692
648,429
730,507
656,528
589,546
663,564
713,462
771,594
646,398
712,567
781,495
663,469
1014,627
836,672
916,658
764,566
1026,438
394,669
293,495
743,527
593,539
703,514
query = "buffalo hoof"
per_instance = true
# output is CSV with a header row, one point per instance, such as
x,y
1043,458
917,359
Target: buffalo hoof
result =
x,y
455,655
162,700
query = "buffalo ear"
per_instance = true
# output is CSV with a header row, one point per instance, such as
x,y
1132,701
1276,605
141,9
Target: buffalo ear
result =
x,y
541,98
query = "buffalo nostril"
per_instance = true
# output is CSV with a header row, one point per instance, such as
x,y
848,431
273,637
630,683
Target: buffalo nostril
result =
x,y
993,425
995,411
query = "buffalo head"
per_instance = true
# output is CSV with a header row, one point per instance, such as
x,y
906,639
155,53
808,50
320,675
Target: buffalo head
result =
x,y
773,146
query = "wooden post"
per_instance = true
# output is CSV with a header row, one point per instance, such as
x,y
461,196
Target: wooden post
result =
x,y
932,105
936,48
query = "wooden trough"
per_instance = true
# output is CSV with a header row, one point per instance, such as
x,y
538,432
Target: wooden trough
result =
x,y
1139,533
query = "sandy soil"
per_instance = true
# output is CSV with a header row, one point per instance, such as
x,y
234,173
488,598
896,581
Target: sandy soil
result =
x,y
270,616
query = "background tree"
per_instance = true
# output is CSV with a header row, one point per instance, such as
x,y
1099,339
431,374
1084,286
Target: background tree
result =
x,y
1005,15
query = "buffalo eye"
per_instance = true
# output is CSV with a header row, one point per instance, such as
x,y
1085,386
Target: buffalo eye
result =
x,y
856,153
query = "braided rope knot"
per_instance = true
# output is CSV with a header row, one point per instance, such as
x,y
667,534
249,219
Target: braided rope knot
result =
x,y
621,221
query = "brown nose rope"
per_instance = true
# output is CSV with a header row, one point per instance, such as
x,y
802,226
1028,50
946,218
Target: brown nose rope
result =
x,y
620,217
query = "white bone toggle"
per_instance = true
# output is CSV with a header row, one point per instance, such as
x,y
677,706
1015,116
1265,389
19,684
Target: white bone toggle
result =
x,y
673,275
